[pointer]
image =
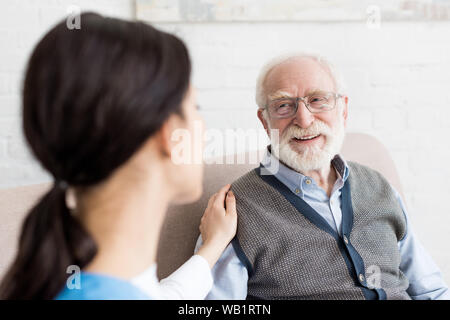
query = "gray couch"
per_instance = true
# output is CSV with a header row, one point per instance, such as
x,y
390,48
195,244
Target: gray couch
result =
x,y
180,230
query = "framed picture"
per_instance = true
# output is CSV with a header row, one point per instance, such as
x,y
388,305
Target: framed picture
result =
x,y
291,10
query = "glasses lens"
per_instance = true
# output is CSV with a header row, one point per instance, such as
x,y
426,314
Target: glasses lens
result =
x,y
282,108
321,101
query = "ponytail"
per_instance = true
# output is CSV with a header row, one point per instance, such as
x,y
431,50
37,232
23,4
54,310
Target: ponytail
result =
x,y
51,240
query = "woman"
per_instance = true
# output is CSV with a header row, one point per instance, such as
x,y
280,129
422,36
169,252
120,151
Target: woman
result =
x,y
99,107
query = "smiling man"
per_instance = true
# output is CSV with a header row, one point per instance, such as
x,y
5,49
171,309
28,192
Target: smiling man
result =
x,y
319,227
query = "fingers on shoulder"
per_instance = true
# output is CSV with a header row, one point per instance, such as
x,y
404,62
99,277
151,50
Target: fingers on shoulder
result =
x,y
212,199
222,193
231,203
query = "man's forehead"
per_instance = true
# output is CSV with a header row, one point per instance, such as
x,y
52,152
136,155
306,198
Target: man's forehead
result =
x,y
283,93
298,77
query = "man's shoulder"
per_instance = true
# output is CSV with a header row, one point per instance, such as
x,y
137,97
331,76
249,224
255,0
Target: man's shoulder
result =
x,y
248,176
367,175
249,182
358,168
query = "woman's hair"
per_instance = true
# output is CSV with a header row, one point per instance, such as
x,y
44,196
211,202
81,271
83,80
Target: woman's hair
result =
x,y
91,98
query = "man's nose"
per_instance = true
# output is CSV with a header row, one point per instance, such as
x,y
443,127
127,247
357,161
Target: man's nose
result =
x,y
303,118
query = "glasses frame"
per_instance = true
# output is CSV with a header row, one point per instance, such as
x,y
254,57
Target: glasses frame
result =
x,y
305,102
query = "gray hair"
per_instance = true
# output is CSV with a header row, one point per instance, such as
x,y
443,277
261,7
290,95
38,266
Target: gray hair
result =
x,y
325,63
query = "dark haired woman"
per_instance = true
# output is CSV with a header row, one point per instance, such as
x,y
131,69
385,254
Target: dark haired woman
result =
x,y
99,108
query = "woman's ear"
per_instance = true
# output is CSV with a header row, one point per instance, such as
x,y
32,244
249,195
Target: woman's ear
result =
x,y
164,135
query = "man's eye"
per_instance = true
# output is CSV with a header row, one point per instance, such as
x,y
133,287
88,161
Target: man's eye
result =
x,y
318,99
285,107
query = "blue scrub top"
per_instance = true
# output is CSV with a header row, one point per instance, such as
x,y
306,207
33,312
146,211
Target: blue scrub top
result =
x,y
96,286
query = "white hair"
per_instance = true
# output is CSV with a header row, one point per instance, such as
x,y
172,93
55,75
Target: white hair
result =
x,y
325,63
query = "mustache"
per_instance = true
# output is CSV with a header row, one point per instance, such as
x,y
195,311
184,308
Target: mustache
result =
x,y
317,127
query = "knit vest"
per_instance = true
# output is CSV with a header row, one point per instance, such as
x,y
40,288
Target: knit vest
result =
x,y
291,252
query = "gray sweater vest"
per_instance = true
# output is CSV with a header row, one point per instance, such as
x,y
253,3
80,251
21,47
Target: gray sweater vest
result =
x,y
291,252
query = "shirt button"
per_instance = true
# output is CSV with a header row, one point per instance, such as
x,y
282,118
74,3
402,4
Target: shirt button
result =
x,y
297,190
308,181
345,240
361,278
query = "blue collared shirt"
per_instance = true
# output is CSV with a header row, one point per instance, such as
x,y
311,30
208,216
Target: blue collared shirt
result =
x,y
425,278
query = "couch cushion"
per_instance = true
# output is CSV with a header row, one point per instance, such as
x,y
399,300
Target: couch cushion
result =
x,y
180,229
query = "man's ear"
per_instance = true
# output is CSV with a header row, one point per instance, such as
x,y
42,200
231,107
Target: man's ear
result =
x,y
263,120
345,111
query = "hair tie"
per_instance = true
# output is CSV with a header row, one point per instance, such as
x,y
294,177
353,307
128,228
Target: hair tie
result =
x,y
61,184
69,194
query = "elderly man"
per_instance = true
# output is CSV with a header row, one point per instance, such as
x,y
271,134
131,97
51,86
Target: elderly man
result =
x,y
318,227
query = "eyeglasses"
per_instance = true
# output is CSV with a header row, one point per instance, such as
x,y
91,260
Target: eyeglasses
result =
x,y
316,102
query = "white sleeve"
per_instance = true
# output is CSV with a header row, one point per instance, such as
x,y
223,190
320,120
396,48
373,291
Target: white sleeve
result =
x,y
191,281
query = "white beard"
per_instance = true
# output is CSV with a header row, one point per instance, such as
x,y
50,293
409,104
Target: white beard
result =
x,y
310,158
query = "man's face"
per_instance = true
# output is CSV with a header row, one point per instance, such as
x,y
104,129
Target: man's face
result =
x,y
298,78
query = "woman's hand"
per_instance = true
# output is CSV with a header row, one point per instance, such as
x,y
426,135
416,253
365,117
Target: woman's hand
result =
x,y
218,224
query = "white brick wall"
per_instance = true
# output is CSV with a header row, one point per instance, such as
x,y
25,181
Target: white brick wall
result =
x,y
22,24
398,80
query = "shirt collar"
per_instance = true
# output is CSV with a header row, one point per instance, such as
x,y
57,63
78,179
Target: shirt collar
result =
x,y
296,181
